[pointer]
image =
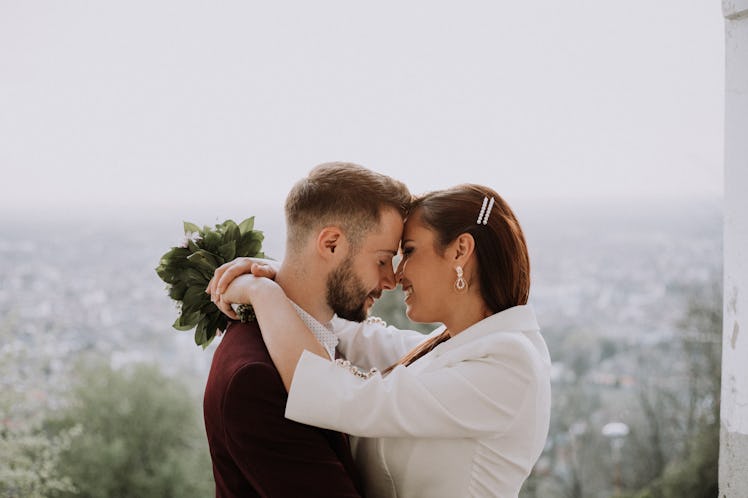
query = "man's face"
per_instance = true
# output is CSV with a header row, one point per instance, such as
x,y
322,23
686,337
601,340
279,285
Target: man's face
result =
x,y
358,281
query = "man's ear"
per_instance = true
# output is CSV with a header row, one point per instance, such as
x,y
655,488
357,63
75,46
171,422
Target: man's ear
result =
x,y
462,248
330,241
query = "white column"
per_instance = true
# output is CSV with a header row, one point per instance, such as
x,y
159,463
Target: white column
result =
x,y
733,465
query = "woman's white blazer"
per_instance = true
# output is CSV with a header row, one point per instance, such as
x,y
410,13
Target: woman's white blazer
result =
x,y
469,419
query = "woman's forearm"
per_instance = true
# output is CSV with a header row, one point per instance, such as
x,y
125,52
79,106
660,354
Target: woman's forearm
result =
x,y
285,334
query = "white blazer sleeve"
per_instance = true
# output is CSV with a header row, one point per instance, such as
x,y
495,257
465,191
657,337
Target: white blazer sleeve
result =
x,y
477,396
374,344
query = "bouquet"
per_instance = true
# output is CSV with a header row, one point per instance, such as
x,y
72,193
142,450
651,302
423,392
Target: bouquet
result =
x,y
188,268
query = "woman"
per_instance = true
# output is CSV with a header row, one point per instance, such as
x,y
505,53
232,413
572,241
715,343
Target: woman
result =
x,y
465,412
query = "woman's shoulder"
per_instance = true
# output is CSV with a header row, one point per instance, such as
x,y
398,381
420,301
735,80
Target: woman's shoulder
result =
x,y
516,347
514,331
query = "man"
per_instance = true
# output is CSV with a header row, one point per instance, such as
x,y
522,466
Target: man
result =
x,y
344,224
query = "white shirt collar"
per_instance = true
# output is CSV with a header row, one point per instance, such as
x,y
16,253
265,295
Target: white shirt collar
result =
x,y
323,332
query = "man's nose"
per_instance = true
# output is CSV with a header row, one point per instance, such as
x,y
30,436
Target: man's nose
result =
x,y
388,278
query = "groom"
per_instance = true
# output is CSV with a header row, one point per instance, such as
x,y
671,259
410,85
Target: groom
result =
x,y
332,265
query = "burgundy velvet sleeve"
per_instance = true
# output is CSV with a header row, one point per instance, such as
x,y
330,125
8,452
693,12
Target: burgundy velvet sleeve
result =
x,y
278,456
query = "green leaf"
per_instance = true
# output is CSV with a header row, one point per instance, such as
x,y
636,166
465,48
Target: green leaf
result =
x,y
249,244
211,241
232,232
213,325
210,258
177,290
242,246
207,274
186,322
222,322
209,308
201,332
204,262
194,299
228,250
166,275
192,246
254,247
194,277
247,225
175,256
191,228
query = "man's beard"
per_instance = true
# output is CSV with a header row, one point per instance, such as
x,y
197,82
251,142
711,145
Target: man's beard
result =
x,y
346,294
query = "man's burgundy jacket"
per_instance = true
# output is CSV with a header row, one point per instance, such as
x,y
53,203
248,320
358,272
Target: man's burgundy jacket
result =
x,y
256,451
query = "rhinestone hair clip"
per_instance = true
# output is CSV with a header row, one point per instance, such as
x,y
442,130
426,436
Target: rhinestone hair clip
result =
x,y
485,210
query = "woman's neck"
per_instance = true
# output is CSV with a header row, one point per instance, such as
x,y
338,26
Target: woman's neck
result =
x,y
466,313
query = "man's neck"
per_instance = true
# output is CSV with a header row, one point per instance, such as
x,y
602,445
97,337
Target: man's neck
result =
x,y
306,290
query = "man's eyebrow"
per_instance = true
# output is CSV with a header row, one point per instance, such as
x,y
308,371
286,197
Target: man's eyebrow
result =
x,y
388,251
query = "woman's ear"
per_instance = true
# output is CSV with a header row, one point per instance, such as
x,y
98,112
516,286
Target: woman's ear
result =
x,y
462,248
330,240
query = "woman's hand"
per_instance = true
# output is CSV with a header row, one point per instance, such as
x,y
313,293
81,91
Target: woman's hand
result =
x,y
244,289
226,273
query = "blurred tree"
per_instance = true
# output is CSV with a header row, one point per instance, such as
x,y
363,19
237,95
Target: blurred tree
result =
x,y
574,461
692,406
28,458
579,351
701,338
666,392
140,436
29,461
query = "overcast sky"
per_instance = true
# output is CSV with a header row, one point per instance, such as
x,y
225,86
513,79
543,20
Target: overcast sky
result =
x,y
162,105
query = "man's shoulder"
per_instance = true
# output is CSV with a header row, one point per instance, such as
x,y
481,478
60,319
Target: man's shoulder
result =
x,y
239,357
242,340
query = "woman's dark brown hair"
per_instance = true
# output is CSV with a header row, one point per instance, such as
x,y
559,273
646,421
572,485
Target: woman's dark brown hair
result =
x,y
503,269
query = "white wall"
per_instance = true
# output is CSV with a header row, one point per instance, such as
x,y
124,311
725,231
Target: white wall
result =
x,y
734,438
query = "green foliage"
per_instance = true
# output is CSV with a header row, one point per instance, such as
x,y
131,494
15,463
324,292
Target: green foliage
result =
x,y
29,462
666,391
188,269
28,457
140,435
696,476
694,471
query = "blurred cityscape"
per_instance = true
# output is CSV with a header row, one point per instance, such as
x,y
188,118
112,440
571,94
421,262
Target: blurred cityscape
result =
x,y
612,286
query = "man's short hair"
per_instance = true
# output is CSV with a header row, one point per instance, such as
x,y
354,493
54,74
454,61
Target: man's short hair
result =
x,y
342,194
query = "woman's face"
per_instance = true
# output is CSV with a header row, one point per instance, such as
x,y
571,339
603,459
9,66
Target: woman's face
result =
x,y
425,275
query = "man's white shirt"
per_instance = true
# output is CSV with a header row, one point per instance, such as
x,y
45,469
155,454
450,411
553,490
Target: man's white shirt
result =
x,y
323,332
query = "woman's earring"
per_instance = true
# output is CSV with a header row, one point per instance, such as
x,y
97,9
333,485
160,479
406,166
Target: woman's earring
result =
x,y
461,285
